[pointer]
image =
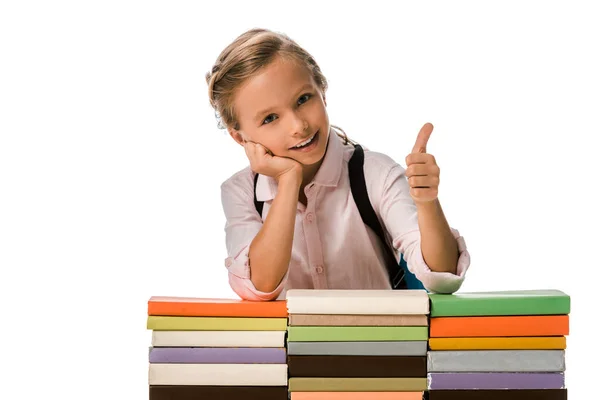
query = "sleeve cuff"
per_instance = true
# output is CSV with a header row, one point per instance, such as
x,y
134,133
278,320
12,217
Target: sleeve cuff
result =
x,y
442,282
239,278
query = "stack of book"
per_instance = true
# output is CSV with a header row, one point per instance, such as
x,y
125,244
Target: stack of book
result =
x,y
357,344
217,349
498,345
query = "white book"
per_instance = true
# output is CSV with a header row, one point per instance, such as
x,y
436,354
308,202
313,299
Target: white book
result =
x,y
218,374
218,338
335,301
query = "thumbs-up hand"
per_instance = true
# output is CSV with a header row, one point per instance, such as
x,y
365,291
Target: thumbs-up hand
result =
x,y
422,171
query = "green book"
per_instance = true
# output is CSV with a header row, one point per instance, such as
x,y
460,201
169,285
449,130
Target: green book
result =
x,y
357,333
512,302
164,323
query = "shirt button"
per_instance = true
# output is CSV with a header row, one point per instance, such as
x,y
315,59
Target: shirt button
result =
x,y
319,269
310,217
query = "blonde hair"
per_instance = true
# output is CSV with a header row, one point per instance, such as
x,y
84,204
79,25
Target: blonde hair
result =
x,y
244,58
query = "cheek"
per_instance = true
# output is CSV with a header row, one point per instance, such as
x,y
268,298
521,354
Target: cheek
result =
x,y
318,113
271,139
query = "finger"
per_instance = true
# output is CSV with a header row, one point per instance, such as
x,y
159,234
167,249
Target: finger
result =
x,y
422,138
420,158
423,181
420,170
250,149
262,151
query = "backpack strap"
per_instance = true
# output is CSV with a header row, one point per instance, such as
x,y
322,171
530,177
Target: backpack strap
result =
x,y
257,204
369,217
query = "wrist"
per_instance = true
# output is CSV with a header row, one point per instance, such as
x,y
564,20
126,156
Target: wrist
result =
x,y
291,178
428,208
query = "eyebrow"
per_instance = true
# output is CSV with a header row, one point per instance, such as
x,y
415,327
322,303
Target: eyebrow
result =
x,y
259,114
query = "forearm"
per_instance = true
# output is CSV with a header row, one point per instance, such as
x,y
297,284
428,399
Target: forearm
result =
x,y
438,245
270,251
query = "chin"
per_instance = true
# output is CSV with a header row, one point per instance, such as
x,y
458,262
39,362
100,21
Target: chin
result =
x,y
315,156
312,162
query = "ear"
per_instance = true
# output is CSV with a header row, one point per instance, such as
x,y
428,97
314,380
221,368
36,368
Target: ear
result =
x,y
236,135
324,100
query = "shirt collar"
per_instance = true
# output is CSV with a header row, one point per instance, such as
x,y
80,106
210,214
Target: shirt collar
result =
x,y
327,175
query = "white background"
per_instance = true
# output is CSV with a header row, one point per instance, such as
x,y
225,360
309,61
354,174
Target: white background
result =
x,y
111,161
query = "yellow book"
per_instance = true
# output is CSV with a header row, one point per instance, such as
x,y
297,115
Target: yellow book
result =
x,y
499,343
357,384
165,323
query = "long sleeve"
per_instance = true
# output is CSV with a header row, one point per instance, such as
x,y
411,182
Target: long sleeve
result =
x,y
389,189
242,224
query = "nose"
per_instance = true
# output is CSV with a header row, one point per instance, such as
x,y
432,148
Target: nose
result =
x,y
299,125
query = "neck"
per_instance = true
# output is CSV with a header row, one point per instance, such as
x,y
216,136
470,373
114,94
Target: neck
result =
x,y
309,172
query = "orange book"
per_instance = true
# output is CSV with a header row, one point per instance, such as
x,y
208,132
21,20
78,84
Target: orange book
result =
x,y
522,325
499,343
207,307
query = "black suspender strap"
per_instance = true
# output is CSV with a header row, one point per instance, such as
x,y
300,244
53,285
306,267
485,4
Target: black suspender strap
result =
x,y
257,204
369,217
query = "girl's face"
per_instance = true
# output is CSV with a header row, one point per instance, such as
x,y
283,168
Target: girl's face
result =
x,y
281,108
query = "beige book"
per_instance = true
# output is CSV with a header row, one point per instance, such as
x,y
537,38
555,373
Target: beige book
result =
x,y
218,338
218,374
357,302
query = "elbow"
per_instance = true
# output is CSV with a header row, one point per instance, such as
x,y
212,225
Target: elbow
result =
x,y
268,285
247,290
443,289
442,283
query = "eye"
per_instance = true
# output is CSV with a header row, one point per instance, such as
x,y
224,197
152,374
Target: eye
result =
x,y
268,120
304,98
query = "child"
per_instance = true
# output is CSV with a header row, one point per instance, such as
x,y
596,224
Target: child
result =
x,y
269,94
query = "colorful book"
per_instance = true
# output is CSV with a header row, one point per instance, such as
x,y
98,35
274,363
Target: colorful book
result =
x,y
357,320
512,394
495,380
357,302
209,307
357,384
161,323
356,395
496,361
499,343
218,338
520,325
357,366
356,333
217,355
218,374
199,392
390,348
513,302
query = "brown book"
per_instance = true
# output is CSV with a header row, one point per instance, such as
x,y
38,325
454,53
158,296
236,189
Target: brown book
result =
x,y
328,366
186,392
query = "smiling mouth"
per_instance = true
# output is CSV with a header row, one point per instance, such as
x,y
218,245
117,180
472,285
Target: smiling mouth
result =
x,y
305,143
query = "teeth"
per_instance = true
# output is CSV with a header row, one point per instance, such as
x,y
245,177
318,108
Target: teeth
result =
x,y
305,142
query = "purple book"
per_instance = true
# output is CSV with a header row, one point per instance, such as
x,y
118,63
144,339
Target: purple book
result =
x,y
218,355
495,380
